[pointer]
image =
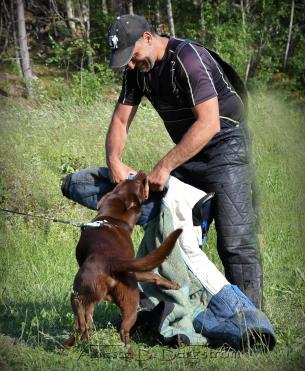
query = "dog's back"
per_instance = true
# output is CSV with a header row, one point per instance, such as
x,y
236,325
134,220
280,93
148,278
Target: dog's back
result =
x,y
108,242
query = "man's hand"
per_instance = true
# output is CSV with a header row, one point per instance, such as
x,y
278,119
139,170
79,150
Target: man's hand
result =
x,y
119,172
157,178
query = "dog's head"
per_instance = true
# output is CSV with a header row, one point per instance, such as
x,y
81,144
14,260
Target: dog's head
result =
x,y
132,190
126,198
137,187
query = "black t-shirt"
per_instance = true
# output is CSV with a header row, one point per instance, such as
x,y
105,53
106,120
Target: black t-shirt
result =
x,y
198,78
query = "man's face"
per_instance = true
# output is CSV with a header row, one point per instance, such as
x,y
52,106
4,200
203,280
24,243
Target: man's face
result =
x,y
143,56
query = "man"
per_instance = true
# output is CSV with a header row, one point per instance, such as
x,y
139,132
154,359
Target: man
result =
x,y
205,117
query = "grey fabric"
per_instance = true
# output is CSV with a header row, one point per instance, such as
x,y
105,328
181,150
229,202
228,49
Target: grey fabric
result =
x,y
190,298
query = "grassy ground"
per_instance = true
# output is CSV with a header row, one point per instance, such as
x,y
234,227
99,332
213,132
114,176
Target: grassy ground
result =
x,y
40,143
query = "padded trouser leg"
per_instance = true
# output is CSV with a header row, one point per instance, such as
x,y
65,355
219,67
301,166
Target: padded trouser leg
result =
x,y
249,278
236,233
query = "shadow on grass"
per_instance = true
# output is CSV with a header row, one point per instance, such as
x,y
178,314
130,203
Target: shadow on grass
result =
x,y
49,325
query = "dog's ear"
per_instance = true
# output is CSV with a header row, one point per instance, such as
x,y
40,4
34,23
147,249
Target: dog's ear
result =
x,y
129,204
140,176
102,201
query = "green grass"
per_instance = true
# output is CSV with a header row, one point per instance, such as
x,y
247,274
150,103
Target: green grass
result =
x,y
40,143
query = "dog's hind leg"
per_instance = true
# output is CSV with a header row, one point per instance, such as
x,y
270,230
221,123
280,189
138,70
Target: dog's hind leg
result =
x,y
80,324
79,313
89,309
129,318
128,304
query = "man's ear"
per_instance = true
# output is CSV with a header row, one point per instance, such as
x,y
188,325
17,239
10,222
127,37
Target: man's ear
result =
x,y
147,37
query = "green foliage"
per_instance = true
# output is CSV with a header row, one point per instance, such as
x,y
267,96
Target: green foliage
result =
x,y
70,164
251,35
86,86
70,53
83,87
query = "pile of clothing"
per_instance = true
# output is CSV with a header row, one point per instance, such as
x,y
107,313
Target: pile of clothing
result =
x,y
207,309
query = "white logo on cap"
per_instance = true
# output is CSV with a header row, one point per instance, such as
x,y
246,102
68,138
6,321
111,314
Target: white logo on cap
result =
x,y
113,41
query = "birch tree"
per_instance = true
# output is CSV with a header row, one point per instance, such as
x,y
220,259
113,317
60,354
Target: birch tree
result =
x,y
70,14
170,17
24,50
15,40
158,17
289,34
130,7
104,7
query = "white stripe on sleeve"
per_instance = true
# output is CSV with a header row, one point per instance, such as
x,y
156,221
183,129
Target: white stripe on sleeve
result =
x,y
204,67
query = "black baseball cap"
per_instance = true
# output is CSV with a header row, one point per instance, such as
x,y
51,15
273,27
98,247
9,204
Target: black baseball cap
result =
x,y
123,33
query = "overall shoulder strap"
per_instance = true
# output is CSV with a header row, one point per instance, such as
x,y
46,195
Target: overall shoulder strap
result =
x,y
175,84
229,71
143,83
177,89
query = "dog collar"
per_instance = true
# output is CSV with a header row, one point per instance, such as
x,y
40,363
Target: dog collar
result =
x,y
97,224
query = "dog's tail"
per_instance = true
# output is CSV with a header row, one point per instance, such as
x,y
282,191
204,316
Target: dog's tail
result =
x,y
150,261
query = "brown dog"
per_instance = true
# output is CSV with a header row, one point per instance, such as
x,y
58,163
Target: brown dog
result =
x,y
108,270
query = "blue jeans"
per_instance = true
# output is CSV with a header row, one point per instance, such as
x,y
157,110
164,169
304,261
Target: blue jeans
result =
x,y
88,186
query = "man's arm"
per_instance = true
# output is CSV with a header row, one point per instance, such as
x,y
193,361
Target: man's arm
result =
x,y
116,140
207,124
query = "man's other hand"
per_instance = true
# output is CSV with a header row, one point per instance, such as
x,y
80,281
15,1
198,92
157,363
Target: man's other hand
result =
x,y
157,178
119,172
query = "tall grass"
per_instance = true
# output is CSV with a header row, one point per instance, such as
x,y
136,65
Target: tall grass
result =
x,y
40,143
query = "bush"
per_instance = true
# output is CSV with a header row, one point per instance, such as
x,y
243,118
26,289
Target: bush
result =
x,y
86,86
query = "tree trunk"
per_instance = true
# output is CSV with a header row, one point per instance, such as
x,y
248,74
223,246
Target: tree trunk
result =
x,y
247,6
170,17
104,7
289,34
70,15
23,43
130,7
248,68
15,39
85,16
158,17
243,14
202,22
5,28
